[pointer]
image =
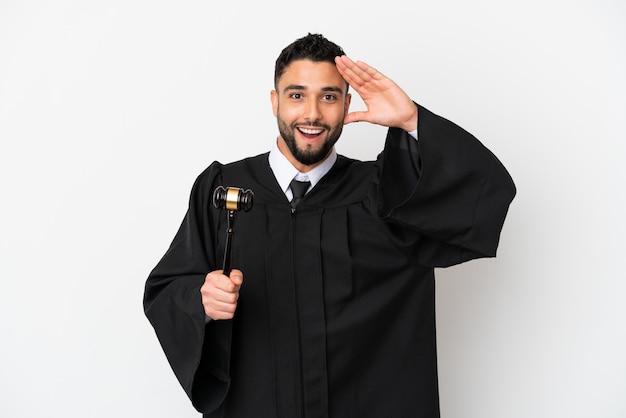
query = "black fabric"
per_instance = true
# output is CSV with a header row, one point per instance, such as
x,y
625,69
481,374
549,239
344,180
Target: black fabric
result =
x,y
298,188
336,314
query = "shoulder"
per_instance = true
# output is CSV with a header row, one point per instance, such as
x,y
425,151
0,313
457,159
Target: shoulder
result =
x,y
254,162
346,166
245,173
217,168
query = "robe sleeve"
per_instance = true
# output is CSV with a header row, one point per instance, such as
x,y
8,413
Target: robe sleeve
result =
x,y
197,352
448,187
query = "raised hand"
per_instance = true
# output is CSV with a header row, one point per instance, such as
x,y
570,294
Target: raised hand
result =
x,y
387,104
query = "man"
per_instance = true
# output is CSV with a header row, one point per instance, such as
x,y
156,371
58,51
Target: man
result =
x,y
330,309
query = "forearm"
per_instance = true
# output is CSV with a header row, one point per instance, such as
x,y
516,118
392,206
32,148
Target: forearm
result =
x,y
446,185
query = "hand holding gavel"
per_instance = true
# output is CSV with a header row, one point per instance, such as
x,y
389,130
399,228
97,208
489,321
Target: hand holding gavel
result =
x,y
220,294
220,290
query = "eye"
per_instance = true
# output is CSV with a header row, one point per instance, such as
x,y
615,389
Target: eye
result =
x,y
296,96
329,97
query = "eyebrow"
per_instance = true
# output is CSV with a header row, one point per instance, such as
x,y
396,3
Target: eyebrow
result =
x,y
300,87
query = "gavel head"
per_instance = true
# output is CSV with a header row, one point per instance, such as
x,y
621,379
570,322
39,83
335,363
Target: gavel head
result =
x,y
232,198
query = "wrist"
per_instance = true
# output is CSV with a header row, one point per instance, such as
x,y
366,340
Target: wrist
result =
x,y
411,124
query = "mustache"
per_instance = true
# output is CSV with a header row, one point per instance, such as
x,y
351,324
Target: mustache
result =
x,y
310,125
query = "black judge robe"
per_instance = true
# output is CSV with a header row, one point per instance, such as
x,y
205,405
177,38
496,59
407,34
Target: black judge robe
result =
x,y
336,315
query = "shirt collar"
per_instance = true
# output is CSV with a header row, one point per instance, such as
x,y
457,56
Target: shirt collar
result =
x,y
284,171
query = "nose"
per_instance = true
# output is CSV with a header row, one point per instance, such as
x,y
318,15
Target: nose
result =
x,y
312,111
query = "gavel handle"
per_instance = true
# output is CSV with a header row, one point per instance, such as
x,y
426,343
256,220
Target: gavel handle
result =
x,y
229,239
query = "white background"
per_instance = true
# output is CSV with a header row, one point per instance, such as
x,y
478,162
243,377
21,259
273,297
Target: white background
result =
x,y
110,109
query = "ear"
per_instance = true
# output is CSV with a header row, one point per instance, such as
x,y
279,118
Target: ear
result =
x,y
274,99
346,106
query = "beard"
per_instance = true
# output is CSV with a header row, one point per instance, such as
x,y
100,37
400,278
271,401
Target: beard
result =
x,y
309,155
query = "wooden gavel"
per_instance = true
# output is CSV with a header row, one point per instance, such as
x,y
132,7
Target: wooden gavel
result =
x,y
233,199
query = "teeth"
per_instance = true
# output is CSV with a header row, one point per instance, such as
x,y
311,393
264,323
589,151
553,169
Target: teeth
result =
x,y
310,131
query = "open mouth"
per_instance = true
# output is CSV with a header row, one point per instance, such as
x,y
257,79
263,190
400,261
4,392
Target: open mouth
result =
x,y
310,133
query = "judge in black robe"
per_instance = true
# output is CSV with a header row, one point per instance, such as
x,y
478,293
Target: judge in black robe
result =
x,y
336,315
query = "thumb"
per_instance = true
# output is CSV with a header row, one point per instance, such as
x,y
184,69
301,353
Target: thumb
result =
x,y
236,277
355,117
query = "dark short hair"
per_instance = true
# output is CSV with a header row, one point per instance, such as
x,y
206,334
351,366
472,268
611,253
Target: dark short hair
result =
x,y
314,47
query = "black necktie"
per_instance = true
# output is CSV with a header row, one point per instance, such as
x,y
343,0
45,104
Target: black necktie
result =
x,y
298,188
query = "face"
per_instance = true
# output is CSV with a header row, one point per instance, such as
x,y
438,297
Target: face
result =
x,y
310,104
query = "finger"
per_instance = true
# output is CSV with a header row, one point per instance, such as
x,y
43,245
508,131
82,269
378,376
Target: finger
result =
x,y
216,297
225,283
346,66
356,73
218,312
356,117
343,62
236,277
215,300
